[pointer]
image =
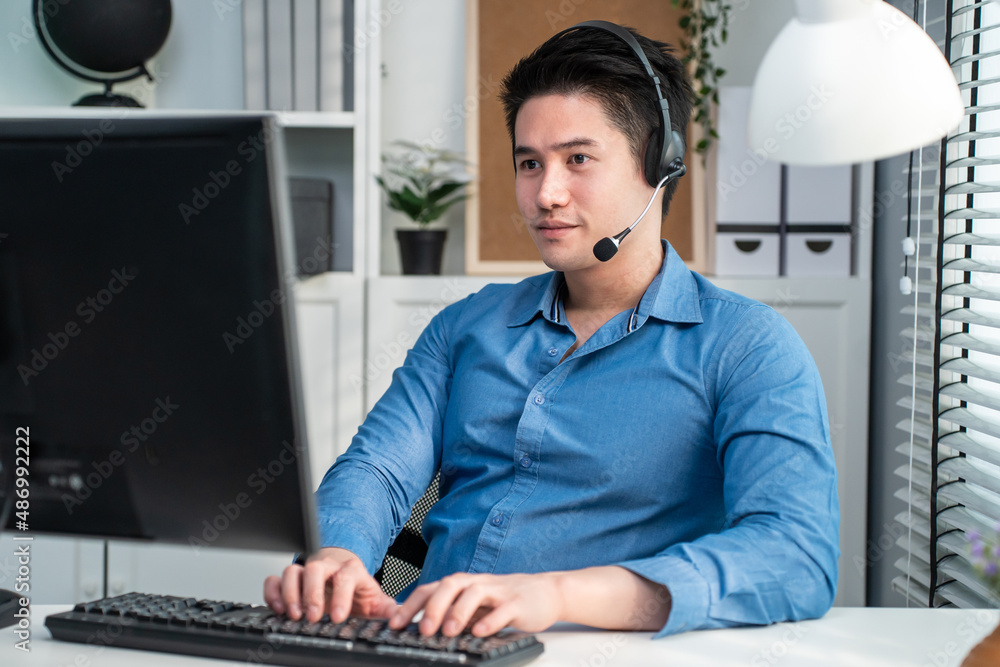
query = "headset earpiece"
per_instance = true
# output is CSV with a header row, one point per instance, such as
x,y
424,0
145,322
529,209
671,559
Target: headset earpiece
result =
x,y
653,167
659,162
672,156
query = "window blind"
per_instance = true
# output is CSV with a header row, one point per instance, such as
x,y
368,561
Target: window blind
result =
x,y
952,358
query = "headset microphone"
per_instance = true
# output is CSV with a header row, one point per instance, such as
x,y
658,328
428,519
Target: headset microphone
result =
x,y
607,247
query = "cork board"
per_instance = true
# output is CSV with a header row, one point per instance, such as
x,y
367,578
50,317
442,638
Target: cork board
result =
x,y
499,33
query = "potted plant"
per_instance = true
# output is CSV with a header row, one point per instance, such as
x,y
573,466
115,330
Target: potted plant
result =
x,y
985,557
422,183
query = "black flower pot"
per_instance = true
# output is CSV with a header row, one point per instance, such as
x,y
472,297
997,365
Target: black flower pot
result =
x,y
421,250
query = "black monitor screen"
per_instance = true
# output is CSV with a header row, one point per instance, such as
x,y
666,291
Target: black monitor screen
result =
x,y
146,330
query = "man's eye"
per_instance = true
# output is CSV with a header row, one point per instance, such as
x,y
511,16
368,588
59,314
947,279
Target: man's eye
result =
x,y
579,158
529,164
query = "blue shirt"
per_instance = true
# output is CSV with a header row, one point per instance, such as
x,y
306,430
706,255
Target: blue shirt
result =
x,y
686,440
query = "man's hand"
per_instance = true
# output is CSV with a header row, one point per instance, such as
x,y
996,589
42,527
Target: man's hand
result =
x,y
333,581
609,597
487,602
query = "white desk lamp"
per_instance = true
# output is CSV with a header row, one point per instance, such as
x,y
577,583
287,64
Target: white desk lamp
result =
x,y
850,81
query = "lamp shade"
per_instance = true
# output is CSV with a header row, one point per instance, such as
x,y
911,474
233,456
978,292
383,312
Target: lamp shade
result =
x,y
850,81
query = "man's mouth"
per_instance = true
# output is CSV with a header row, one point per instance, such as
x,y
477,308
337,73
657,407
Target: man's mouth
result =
x,y
554,224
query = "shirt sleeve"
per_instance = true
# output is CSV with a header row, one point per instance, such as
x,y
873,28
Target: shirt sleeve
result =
x,y
775,558
366,496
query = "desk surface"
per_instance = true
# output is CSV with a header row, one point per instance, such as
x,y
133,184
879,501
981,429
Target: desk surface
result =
x,y
845,637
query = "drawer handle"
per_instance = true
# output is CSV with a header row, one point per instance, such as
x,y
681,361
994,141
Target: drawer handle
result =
x,y
819,247
747,246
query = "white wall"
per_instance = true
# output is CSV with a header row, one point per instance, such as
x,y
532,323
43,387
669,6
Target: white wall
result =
x,y
202,61
753,26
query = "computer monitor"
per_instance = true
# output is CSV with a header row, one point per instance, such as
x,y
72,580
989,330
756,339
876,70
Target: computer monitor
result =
x,y
147,337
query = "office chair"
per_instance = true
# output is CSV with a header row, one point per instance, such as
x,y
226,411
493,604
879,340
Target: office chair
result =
x,y
405,556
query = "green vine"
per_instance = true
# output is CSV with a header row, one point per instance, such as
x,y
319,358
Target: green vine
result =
x,y
706,23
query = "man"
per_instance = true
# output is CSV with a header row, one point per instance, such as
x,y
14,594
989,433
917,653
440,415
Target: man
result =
x,y
621,444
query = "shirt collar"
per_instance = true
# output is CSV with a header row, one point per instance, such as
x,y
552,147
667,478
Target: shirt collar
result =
x,y
672,296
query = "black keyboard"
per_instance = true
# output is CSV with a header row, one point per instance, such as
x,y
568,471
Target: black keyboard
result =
x,y
257,635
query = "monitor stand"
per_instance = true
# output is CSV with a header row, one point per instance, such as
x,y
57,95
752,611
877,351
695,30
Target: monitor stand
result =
x,y
8,605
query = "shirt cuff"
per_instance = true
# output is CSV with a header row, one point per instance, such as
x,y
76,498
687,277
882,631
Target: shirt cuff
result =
x,y
689,592
353,538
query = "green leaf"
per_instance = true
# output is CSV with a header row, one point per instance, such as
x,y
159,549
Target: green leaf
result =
x,y
400,201
410,203
436,211
702,145
443,191
719,72
396,203
685,21
409,195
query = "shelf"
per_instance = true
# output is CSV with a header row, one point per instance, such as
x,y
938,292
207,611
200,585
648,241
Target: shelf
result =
x,y
316,119
321,286
290,119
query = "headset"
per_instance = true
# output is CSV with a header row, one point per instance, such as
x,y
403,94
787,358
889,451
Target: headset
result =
x,y
664,160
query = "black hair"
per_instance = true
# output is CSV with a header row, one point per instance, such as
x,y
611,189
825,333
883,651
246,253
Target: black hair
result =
x,y
598,64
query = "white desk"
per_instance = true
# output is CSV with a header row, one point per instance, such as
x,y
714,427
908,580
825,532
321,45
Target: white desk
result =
x,y
846,637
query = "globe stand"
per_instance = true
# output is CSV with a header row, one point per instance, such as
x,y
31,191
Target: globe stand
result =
x,y
108,99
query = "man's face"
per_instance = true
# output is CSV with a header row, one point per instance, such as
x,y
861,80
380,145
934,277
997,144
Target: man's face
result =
x,y
576,180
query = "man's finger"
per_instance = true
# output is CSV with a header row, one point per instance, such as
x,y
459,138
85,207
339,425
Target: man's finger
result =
x,y
342,598
272,594
495,621
291,591
441,601
464,608
410,606
386,608
314,588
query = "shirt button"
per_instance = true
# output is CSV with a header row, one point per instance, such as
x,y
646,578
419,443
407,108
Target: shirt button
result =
x,y
498,519
539,399
553,351
525,462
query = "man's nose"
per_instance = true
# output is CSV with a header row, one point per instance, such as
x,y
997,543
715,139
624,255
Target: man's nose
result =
x,y
552,192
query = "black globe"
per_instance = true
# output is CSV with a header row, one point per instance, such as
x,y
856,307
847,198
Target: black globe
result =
x,y
108,35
